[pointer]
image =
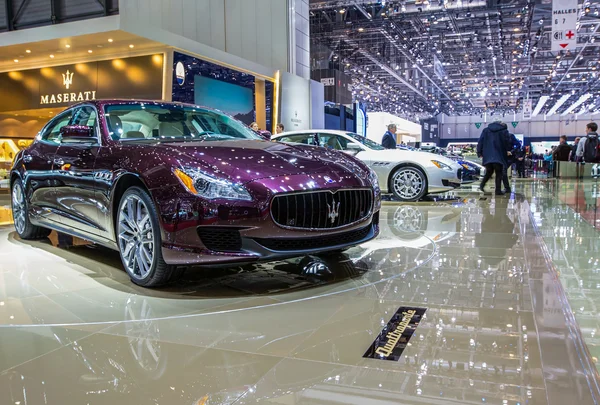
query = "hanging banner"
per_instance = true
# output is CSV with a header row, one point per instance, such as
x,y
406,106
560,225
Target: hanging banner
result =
x,y
478,125
514,124
527,105
438,68
564,25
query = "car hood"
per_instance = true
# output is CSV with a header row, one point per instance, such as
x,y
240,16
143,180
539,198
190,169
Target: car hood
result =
x,y
248,160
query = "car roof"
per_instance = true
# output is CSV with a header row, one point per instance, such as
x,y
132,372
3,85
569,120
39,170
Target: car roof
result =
x,y
311,131
103,102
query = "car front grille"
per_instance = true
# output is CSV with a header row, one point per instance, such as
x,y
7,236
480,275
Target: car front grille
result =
x,y
322,209
340,239
221,239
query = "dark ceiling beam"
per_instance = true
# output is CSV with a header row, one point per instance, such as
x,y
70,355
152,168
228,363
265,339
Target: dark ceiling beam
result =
x,y
9,14
19,11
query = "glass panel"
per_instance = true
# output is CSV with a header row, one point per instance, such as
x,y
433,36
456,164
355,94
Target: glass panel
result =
x,y
307,139
169,121
52,131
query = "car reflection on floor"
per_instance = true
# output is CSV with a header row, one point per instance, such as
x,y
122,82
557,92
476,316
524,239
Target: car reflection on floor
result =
x,y
407,235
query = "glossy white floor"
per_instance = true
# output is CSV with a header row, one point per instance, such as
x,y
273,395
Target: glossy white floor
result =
x,y
498,330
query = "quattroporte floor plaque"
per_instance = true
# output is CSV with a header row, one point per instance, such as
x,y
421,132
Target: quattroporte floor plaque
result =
x,y
394,337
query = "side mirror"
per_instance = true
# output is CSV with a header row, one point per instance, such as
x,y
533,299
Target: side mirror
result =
x,y
78,134
353,148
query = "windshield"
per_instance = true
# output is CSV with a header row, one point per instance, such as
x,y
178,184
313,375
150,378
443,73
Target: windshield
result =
x,y
367,142
172,122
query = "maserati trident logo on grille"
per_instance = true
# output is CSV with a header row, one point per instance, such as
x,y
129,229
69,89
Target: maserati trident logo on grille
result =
x,y
333,211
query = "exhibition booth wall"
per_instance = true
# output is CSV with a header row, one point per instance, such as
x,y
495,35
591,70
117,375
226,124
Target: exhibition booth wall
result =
x,y
240,94
407,131
31,97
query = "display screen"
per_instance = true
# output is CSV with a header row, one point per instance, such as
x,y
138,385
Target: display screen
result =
x,y
234,100
542,147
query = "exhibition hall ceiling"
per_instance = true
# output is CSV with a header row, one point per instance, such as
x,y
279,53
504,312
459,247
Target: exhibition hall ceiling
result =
x,y
416,58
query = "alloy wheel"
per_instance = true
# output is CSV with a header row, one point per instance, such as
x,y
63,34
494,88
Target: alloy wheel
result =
x,y
18,208
408,183
408,219
136,237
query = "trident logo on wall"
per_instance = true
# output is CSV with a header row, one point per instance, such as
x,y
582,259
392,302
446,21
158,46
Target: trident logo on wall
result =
x,y
68,79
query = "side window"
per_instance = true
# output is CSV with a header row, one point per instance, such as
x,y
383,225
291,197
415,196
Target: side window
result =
x,y
335,142
85,116
52,131
307,139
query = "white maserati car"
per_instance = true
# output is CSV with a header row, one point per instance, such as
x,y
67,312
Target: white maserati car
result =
x,y
409,175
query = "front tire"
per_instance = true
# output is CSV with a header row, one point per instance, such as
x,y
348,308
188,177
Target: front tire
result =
x,y
20,211
408,183
139,240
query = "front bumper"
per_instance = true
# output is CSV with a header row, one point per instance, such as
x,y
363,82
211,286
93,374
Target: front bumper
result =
x,y
275,247
443,180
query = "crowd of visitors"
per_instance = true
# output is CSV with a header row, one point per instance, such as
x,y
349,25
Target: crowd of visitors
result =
x,y
500,151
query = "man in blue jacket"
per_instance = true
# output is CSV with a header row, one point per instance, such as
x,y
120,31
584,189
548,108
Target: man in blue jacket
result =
x,y
389,138
493,147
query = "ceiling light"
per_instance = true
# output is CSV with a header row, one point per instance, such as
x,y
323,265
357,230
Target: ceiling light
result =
x,y
558,104
361,29
576,104
51,56
110,39
90,51
28,50
16,60
131,45
67,46
342,11
539,105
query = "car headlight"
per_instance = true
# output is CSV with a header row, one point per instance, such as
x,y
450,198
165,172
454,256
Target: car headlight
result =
x,y
199,183
441,165
373,179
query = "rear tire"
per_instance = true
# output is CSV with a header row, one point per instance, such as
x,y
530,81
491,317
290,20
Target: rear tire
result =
x,y
20,211
139,240
408,183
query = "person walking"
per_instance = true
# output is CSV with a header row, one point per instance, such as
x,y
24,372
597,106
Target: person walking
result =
x,y
493,147
587,150
573,154
520,155
562,151
514,144
389,138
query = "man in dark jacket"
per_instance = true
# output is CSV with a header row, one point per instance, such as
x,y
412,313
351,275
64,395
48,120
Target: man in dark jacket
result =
x,y
520,156
561,153
493,147
573,155
514,145
389,138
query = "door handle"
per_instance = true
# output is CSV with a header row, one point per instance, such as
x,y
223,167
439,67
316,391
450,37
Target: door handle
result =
x,y
59,162
27,158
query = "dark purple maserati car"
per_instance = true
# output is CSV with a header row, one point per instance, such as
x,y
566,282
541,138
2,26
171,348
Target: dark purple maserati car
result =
x,y
170,185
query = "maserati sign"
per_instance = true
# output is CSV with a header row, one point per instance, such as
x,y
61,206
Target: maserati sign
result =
x,y
68,97
60,86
